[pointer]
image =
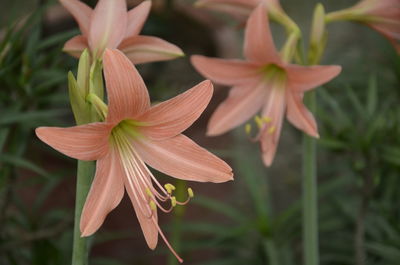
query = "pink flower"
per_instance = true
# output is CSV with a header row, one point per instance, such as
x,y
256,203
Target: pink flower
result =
x,y
134,135
109,25
381,15
263,81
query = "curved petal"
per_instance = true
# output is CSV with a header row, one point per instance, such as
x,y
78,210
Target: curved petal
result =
x,y
136,18
84,142
226,72
182,158
81,12
274,110
304,78
145,49
136,191
108,25
299,115
173,116
241,104
105,193
258,43
76,46
127,93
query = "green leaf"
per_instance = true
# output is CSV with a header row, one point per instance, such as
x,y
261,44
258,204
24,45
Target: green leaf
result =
x,y
23,163
8,118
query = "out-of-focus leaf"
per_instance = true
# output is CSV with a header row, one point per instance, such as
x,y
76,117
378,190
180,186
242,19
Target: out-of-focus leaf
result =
x,y
23,163
16,117
220,207
372,96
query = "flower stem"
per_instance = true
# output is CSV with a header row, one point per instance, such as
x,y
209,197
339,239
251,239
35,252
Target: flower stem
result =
x,y
310,204
84,180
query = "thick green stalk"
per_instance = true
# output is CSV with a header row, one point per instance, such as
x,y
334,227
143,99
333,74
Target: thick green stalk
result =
x,y
272,252
310,203
84,180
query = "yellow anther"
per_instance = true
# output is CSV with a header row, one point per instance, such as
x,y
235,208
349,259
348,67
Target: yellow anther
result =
x,y
190,192
173,201
153,205
266,119
258,121
247,128
169,187
271,129
148,191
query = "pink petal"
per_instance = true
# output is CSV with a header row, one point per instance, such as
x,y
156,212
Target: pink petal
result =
x,y
181,158
127,93
299,115
142,208
304,78
136,18
108,25
259,45
274,109
105,193
145,49
173,116
226,72
76,46
81,12
84,142
242,103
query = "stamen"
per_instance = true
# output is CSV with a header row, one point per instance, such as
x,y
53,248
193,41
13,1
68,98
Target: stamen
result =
x,y
166,241
247,128
271,129
173,201
190,192
153,205
258,121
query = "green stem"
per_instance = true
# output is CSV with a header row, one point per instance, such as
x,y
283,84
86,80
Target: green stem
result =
x,y
179,211
272,253
310,203
84,180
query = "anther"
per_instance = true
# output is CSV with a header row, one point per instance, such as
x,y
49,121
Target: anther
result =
x,y
173,201
247,128
258,121
190,192
169,187
271,129
266,119
153,205
149,192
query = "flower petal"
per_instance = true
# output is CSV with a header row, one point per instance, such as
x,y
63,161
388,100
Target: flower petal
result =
x,y
127,93
136,18
299,115
145,49
84,142
273,110
136,191
76,46
304,78
182,158
242,103
108,25
226,72
258,43
105,193
81,12
173,116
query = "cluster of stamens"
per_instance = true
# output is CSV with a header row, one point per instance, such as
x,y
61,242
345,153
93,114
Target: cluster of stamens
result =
x,y
262,123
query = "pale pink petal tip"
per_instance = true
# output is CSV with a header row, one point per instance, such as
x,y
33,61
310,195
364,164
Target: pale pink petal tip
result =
x,y
75,46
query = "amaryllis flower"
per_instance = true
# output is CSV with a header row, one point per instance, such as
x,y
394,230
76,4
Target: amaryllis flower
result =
x,y
381,15
263,81
110,25
134,135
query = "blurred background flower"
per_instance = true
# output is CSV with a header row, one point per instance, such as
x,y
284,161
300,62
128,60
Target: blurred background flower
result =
x,y
254,220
